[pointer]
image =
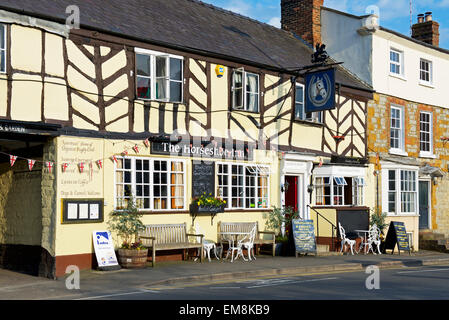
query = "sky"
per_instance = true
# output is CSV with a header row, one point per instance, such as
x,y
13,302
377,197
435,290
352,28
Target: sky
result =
x,y
394,14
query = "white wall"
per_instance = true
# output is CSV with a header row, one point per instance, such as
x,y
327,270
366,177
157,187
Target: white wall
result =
x,y
345,44
409,87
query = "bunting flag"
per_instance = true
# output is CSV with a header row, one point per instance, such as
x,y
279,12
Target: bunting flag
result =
x,y
114,158
147,143
31,164
136,148
64,166
125,153
81,166
49,165
321,162
12,159
100,164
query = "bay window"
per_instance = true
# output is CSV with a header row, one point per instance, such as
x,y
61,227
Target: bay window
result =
x,y
159,76
243,186
155,184
339,191
401,191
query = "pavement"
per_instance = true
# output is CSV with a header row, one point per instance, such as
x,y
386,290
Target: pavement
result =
x,y
18,286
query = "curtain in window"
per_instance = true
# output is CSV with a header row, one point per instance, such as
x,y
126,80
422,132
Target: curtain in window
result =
x,y
252,93
237,95
161,78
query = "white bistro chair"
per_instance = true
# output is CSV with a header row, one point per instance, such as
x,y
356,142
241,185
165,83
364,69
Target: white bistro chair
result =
x,y
248,243
345,241
373,238
208,245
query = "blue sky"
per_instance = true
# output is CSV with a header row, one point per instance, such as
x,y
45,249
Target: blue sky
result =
x,y
394,14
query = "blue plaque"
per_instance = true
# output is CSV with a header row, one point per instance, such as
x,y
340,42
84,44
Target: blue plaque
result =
x,y
320,90
304,235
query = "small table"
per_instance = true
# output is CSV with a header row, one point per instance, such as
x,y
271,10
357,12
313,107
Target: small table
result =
x,y
232,238
364,238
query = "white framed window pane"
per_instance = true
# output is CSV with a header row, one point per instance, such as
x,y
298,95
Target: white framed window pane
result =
x,y
252,92
322,191
223,183
2,48
175,91
425,70
299,103
143,87
162,77
396,128
425,132
237,84
175,69
143,65
395,62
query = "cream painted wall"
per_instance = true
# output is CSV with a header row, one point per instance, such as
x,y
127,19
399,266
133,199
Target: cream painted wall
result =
x,y
408,87
23,39
100,184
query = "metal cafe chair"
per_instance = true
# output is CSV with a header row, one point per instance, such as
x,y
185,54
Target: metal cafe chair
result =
x,y
344,240
248,243
373,238
208,245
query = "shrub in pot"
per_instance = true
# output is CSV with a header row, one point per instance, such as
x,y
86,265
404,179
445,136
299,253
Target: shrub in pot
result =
x,y
127,223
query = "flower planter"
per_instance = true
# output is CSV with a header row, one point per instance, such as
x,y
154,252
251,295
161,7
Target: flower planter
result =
x,y
196,210
132,259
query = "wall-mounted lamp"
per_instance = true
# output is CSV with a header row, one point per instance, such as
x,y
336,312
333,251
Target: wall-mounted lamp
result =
x,y
284,187
310,188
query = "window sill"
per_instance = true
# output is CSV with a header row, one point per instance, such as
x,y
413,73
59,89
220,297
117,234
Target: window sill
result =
x,y
398,76
245,111
427,84
160,101
398,152
310,123
427,155
399,215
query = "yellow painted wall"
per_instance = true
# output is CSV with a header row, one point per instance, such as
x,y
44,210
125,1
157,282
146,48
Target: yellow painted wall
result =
x,y
100,184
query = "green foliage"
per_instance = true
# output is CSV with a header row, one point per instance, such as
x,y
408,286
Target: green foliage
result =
x,y
127,224
208,200
278,216
378,218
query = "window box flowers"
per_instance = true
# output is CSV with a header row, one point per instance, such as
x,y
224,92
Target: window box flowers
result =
x,y
207,204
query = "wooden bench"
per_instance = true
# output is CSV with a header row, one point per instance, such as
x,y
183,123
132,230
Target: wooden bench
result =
x,y
247,227
158,237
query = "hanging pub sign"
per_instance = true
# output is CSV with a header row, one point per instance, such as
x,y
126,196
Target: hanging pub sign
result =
x,y
304,235
397,235
320,90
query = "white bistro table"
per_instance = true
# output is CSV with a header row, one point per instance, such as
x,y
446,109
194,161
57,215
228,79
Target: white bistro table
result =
x,y
234,240
364,239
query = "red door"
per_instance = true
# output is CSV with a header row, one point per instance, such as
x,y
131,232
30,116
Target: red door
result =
x,y
291,194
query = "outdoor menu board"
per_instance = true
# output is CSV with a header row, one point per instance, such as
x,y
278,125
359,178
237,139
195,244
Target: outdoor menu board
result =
x,y
397,235
304,235
203,178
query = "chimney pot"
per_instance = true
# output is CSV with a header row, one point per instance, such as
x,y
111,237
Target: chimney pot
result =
x,y
420,18
428,16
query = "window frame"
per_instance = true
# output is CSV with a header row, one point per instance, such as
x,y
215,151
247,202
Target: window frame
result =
x,y
4,49
400,149
430,72
243,198
337,185
153,75
315,117
151,184
245,106
399,64
425,153
401,189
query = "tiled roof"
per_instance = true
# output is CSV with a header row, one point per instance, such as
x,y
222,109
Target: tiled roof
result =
x,y
187,24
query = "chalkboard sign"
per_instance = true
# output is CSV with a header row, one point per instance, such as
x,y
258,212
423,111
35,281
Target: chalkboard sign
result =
x,y
203,178
397,235
304,235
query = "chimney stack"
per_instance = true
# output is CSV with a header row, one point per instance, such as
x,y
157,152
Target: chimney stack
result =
x,y
426,30
302,17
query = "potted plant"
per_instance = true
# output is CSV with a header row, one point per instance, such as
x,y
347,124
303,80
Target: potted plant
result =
x,y
278,218
127,224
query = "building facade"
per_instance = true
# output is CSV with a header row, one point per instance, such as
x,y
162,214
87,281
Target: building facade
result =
x,y
408,118
91,117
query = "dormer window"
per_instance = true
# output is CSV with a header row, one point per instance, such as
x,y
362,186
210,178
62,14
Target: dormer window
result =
x,y
245,91
159,76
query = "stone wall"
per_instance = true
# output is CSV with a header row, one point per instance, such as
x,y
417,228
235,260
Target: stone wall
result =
x,y
379,145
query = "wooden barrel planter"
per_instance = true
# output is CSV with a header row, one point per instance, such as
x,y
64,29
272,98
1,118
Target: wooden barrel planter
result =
x,y
132,259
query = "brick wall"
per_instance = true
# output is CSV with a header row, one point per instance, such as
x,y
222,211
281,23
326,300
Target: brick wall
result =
x,y
303,17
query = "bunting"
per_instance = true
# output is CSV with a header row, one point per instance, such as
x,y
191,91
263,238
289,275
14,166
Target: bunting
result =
x,y
12,159
31,164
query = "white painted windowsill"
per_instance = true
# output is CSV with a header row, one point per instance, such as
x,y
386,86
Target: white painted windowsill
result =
x,y
426,84
398,76
427,155
398,152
